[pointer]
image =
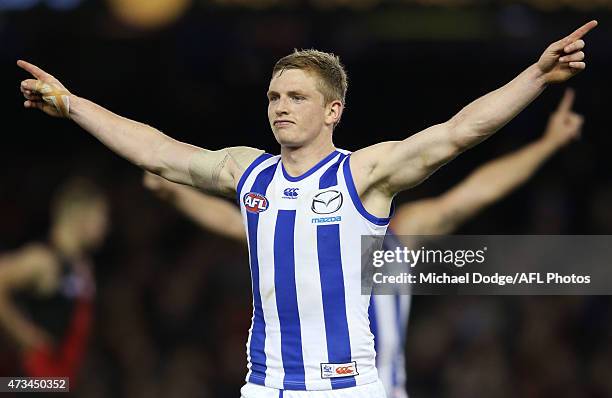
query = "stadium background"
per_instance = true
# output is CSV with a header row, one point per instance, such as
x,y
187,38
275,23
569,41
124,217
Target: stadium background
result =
x,y
174,303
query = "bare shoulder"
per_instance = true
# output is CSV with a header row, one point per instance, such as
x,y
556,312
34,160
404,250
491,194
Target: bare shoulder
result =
x,y
218,171
364,164
370,156
243,156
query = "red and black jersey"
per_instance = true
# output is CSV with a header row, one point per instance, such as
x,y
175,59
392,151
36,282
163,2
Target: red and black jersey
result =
x,y
65,314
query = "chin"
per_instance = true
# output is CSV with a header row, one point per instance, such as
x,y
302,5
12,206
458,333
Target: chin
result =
x,y
94,244
288,140
290,144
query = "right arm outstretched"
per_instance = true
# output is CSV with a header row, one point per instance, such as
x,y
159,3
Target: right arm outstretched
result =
x,y
214,171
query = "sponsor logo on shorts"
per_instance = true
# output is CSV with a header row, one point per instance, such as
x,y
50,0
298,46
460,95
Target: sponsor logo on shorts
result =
x,y
332,370
254,202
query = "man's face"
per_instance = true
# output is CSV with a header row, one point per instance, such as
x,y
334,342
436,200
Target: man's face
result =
x,y
296,108
94,219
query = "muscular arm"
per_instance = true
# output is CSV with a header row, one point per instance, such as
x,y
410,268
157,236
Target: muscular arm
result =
x,y
384,169
25,269
139,143
489,183
144,146
211,213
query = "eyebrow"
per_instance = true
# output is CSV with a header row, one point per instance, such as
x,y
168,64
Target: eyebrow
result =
x,y
290,93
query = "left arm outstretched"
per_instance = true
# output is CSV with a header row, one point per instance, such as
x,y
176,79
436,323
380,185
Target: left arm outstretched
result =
x,y
390,167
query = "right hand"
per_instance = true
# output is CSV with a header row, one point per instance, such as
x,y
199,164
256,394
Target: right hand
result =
x,y
564,125
44,92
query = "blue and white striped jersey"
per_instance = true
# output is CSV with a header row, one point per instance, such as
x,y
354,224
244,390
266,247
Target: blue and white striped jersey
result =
x,y
310,327
388,322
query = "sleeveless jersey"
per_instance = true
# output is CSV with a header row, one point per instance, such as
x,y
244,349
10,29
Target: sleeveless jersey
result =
x,y
66,315
310,327
388,322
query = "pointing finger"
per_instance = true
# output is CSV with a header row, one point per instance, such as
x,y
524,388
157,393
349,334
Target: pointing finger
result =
x,y
581,31
567,101
32,69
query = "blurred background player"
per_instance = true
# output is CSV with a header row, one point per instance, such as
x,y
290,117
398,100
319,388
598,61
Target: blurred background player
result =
x,y
47,288
433,216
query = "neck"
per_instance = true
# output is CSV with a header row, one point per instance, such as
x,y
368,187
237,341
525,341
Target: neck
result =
x,y
299,160
65,241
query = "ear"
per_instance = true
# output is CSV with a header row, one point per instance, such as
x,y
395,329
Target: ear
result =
x,y
334,112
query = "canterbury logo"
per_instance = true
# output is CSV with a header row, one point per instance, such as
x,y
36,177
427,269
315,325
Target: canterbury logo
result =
x,y
291,192
327,202
345,370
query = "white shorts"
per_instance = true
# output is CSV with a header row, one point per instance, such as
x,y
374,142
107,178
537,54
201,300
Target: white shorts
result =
x,y
371,390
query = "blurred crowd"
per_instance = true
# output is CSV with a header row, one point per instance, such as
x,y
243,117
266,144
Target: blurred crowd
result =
x,y
544,346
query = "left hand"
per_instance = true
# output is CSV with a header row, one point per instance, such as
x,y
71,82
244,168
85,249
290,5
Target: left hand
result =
x,y
565,58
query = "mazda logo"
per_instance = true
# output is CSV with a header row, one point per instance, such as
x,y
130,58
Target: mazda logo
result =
x,y
327,202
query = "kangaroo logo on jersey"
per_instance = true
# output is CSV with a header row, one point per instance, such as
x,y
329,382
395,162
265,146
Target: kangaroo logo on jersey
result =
x,y
255,203
331,370
327,202
290,193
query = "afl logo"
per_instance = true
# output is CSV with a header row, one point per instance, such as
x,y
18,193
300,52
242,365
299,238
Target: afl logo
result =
x,y
327,202
255,203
